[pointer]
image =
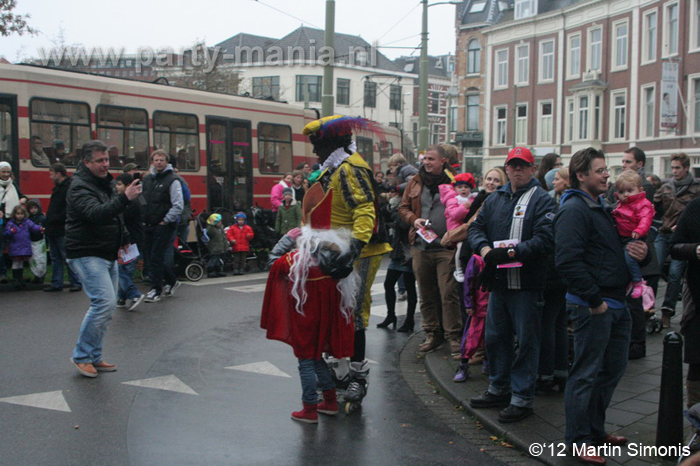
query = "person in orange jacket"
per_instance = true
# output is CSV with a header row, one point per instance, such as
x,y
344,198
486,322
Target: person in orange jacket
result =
x,y
239,235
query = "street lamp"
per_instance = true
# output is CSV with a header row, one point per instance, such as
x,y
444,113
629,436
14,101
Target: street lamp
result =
x,y
423,76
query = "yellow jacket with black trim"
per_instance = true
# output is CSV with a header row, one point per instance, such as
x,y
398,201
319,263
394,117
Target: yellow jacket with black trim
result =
x,y
353,205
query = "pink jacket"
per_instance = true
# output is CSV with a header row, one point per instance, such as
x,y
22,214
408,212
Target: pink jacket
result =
x,y
634,215
474,297
455,213
276,197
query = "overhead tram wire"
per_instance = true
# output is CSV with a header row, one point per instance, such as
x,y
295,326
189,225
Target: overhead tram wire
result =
x,y
287,14
399,22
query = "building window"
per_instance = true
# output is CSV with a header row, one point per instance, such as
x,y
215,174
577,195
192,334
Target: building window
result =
x,y
501,125
274,148
472,113
570,118
343,91
502,68
649,36
370,99
266,87
522,64
597,120
619,115
525,8
583,117
670,44
545,122
621,34
547,60
574,67
308,87
394,97
648,111
453,116
695,25
595,49
696,105
521,124
473,57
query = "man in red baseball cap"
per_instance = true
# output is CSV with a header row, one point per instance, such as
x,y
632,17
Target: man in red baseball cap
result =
x,y
521,153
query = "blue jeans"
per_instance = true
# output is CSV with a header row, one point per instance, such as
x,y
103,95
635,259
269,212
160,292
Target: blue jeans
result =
x,y
127,289
158,241
57,250
100,280
601,346
309,370
514,312
675,270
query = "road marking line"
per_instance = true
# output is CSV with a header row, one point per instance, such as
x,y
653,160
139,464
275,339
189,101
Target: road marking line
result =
x,y
167,382
263,367
46,400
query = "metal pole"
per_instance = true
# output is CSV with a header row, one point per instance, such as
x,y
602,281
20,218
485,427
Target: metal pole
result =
x,y
423,83
669,425
327,101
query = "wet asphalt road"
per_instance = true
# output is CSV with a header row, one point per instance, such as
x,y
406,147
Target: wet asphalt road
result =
x,y
203,412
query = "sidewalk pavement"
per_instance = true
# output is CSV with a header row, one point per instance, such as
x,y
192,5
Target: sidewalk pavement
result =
x,y
632,413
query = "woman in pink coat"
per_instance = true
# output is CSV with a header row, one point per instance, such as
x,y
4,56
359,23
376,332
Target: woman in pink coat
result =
x,y
276,196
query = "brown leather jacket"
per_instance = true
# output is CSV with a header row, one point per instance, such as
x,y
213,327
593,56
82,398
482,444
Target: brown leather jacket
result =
x,y
410,207
673,206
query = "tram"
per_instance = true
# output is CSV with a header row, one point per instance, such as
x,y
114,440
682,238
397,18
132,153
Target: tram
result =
x,y
231,150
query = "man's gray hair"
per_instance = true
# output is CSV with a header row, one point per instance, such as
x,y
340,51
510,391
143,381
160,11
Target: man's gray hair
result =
x,y
90,148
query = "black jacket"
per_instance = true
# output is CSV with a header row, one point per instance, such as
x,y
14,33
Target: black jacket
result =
x,y
156,193
494,221
55,223
589,255
93,226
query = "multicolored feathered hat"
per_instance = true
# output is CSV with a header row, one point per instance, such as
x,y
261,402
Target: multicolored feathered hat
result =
x,y
336,128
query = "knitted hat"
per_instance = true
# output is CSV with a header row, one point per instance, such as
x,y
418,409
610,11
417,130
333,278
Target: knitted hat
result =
x,y
464,179
287,191
214,219
240,215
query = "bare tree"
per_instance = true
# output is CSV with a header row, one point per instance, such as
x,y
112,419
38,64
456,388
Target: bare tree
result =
x,y
203,68
12,23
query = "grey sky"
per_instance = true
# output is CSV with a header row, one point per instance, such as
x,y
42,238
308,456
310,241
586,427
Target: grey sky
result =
x,y
132,24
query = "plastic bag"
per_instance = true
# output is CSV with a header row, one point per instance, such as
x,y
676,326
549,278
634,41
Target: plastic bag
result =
x,y
37,264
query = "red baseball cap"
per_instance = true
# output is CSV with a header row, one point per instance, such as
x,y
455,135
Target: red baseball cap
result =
x,y
521,153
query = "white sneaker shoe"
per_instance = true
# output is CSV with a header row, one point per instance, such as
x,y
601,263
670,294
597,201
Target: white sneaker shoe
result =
x,y
170,290
459,276
135,302
152,296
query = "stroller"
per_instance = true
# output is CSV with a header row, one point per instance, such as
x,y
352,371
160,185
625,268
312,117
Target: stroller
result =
x,y
262,222
191,259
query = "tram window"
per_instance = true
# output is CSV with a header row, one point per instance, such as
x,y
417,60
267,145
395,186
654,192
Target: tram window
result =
x,y
274,148
6,136
178,135
386,150
63,127
125,131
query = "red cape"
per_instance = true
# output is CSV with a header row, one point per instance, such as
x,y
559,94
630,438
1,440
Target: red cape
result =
x,y
322,328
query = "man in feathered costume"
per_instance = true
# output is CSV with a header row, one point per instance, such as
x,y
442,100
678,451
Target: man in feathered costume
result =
x,y
343,198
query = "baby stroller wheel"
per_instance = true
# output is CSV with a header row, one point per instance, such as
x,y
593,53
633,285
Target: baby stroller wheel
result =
x,y
194,272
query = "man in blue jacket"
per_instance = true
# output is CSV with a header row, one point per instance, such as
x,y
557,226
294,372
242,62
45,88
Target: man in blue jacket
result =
x,y
522,212
591,262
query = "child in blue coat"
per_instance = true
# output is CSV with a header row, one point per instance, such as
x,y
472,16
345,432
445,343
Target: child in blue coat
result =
x,y
17,232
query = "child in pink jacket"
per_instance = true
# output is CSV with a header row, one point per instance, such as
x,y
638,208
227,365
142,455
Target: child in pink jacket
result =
x,y
476,301
457,201
634,214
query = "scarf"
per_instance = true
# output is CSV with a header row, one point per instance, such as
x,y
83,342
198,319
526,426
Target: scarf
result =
x,y
432,181
8,196
681,186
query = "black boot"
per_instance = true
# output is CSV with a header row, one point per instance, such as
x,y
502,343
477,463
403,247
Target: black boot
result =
x,y
407,326
389,320
17,278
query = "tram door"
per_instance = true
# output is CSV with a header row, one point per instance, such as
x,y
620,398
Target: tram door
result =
x,y
8,132
229,164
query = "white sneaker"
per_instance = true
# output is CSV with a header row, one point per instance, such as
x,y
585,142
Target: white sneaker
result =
x,y
170,290
459,276
135,302
152,296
